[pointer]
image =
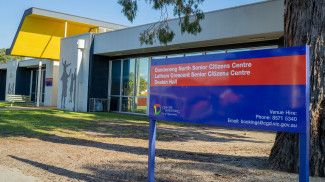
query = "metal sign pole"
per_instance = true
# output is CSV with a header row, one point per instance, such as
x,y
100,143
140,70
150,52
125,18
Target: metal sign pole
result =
x,y
304,156
304,136
152,150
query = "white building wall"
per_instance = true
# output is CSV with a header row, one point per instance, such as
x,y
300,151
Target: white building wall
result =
x,y
74,73
249,23
52,71
11,78
55,76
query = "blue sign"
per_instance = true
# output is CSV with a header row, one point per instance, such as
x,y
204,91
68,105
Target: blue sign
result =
x,y
261,89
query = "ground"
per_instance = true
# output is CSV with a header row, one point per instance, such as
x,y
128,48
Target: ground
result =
x,y
54,145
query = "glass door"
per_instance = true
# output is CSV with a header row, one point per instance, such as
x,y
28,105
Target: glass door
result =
x,y
34,85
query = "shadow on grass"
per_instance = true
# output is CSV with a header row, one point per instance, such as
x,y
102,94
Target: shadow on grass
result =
x,y
137,171
166,171
38,124
251,162
31,123
238,161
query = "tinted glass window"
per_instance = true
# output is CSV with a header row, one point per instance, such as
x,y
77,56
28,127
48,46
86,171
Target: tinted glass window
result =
x,y
116,77
142,77
128,77
127,104
114,104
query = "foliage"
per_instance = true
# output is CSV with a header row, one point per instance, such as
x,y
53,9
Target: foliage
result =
x,y
4,58
187,11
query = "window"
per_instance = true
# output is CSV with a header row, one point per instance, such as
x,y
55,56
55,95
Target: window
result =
x,y
128,77
114,103
116,77
216,52
142,85
127,104
129,85
142,77
194,54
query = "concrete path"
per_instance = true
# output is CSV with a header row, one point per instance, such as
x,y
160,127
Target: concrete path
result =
x,y
14,175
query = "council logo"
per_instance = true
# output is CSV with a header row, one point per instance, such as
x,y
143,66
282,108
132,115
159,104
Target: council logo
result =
x,y
157,109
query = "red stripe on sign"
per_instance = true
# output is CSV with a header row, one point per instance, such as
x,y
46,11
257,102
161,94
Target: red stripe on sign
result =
x,y
284,70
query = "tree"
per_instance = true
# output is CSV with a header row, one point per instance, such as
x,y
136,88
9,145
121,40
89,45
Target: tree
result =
x,y
187,11
4,58
304,23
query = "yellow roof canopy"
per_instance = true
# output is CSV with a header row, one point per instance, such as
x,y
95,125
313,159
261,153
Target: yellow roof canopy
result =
x,y
40,32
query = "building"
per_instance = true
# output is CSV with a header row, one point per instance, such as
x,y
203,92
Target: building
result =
x,y
119,72
109,71
39,36
21,78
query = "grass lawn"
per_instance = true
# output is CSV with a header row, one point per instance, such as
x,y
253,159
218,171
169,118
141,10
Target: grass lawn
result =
x,y
7,104
4,104
57,122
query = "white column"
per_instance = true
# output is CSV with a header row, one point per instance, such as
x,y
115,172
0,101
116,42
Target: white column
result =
x,y
31,83
39,84
79,78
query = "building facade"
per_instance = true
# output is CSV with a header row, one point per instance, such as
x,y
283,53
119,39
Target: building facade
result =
x,y
109,70
21,78
117,65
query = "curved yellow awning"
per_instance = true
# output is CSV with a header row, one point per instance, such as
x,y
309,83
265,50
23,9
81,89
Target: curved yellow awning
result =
x,y
40,32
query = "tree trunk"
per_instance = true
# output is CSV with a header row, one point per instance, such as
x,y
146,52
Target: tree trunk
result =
x,y
304,23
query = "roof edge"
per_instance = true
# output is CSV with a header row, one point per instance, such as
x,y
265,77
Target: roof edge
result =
x,y
70,17
26,13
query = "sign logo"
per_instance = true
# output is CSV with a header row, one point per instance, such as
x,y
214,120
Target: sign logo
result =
x,y
157,109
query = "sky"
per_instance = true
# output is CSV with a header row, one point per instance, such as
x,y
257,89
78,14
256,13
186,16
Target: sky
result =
x,y
11,12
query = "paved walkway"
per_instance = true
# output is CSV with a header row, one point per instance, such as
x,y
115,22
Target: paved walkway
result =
x,y
14,175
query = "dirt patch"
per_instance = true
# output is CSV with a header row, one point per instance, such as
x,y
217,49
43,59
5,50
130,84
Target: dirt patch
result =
x,y
117,151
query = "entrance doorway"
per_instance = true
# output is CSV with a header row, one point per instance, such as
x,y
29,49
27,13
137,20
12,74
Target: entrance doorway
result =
x,y
34,85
